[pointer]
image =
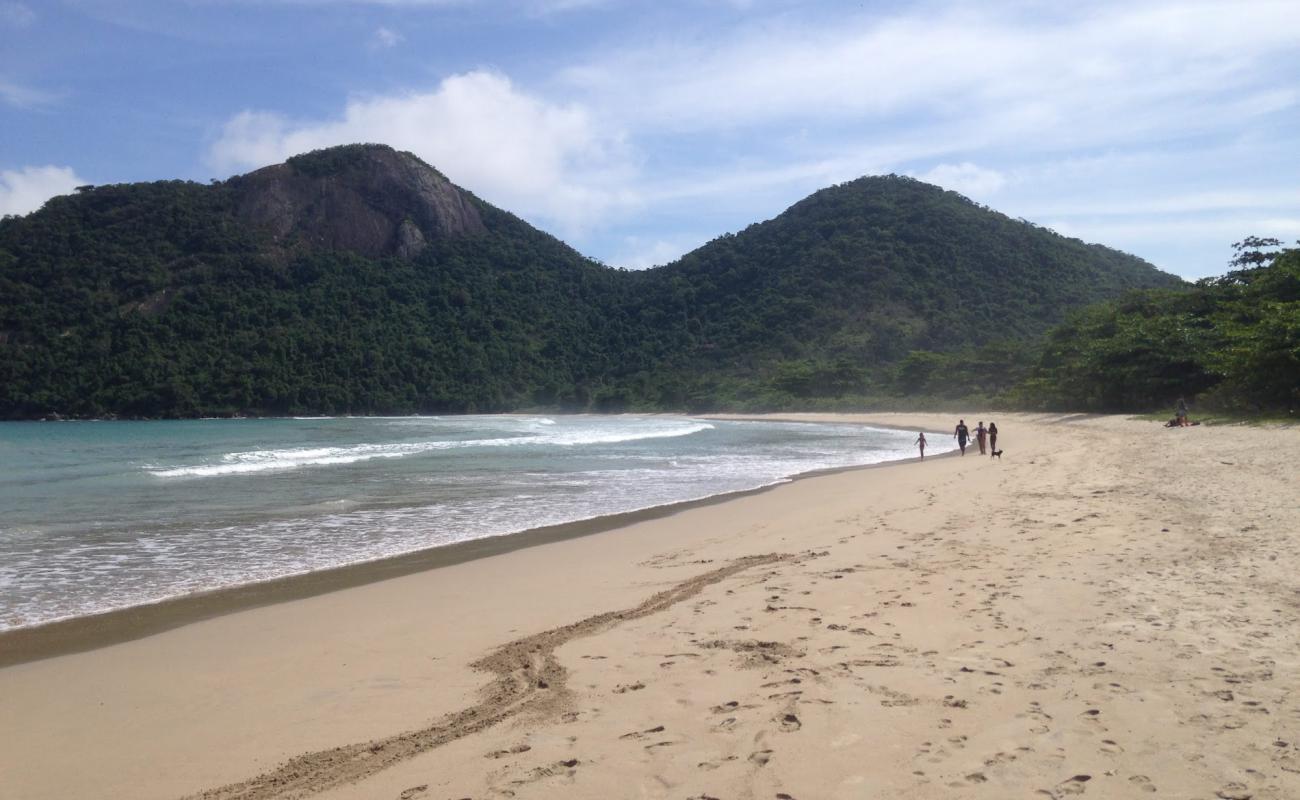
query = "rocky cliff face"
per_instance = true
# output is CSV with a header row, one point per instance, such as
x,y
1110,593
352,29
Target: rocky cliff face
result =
x,y
369,199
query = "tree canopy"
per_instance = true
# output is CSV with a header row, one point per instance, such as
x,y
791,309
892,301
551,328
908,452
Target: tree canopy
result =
x,y
1233,340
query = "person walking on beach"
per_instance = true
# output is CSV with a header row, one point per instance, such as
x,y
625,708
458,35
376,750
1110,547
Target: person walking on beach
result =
x,y
993,438
962,433
920,441
981,436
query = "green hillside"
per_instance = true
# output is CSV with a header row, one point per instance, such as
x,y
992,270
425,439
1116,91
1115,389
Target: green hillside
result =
x,y
829,296
358,280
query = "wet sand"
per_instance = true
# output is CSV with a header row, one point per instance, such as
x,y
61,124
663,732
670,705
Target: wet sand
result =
x,y
1110,609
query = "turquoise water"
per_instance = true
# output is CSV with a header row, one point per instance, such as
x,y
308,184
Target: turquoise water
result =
x,y
103,515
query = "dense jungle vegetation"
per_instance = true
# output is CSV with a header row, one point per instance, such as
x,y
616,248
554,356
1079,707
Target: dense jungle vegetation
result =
x,y
1233,342
149,300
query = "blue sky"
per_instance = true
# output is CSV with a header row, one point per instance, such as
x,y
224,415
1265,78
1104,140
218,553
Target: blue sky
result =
x,y
637,131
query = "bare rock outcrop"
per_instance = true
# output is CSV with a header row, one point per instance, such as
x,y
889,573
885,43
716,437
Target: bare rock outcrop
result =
x,y
368,199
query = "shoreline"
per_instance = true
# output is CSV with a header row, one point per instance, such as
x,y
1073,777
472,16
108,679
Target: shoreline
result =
x,y
1077,612
106,628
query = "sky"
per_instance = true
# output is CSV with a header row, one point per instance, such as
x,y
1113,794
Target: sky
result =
x,y
638,131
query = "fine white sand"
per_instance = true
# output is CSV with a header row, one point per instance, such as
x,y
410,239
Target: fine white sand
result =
x,y
1110,609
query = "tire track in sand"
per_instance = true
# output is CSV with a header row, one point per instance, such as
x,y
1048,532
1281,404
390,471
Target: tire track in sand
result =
x,y
527,677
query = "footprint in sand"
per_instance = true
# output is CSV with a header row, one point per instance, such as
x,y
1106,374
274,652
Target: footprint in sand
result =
x,y
642,734
1286,756
516,750
761,757
565,767
1142,783
1074,785
712,765
789,723
730,705
413,792
1254,707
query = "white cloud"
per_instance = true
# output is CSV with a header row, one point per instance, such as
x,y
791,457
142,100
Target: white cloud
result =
x,y
533,157
641,253
16,15
1193,247
391,3
1032,111
19,96
543,7
966,178
739,179
25,190
1216,231
533,6
1216,200
1109,72
385,38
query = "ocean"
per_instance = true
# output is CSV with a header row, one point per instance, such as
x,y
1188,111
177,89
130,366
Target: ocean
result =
x,y
97,516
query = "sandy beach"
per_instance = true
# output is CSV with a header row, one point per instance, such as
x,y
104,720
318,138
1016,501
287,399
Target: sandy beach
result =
x,y
1111,609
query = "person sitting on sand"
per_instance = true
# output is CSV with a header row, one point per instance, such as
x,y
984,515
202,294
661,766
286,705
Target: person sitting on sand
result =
x,y
962,433
920,441
1180,412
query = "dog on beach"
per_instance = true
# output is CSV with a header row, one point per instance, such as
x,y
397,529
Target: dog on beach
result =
x,y
996,454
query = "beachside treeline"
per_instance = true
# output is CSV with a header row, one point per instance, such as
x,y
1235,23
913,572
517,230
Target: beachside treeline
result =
x,y
1232,340
161,300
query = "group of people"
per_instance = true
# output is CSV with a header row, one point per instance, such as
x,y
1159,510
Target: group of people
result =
x,y
1180,420
986,437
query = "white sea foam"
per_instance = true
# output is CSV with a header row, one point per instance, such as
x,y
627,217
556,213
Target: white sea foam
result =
x,y
274,460
296,458
478,477
615,437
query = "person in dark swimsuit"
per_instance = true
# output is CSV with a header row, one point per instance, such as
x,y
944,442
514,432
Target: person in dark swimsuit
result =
x,y
981,436
920,441
993,437
963,434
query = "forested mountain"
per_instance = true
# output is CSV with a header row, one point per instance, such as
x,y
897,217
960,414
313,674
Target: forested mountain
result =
x,y
359,280
868,275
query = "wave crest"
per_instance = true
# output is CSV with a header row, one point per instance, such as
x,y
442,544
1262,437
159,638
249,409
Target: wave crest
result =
x,y
253,461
